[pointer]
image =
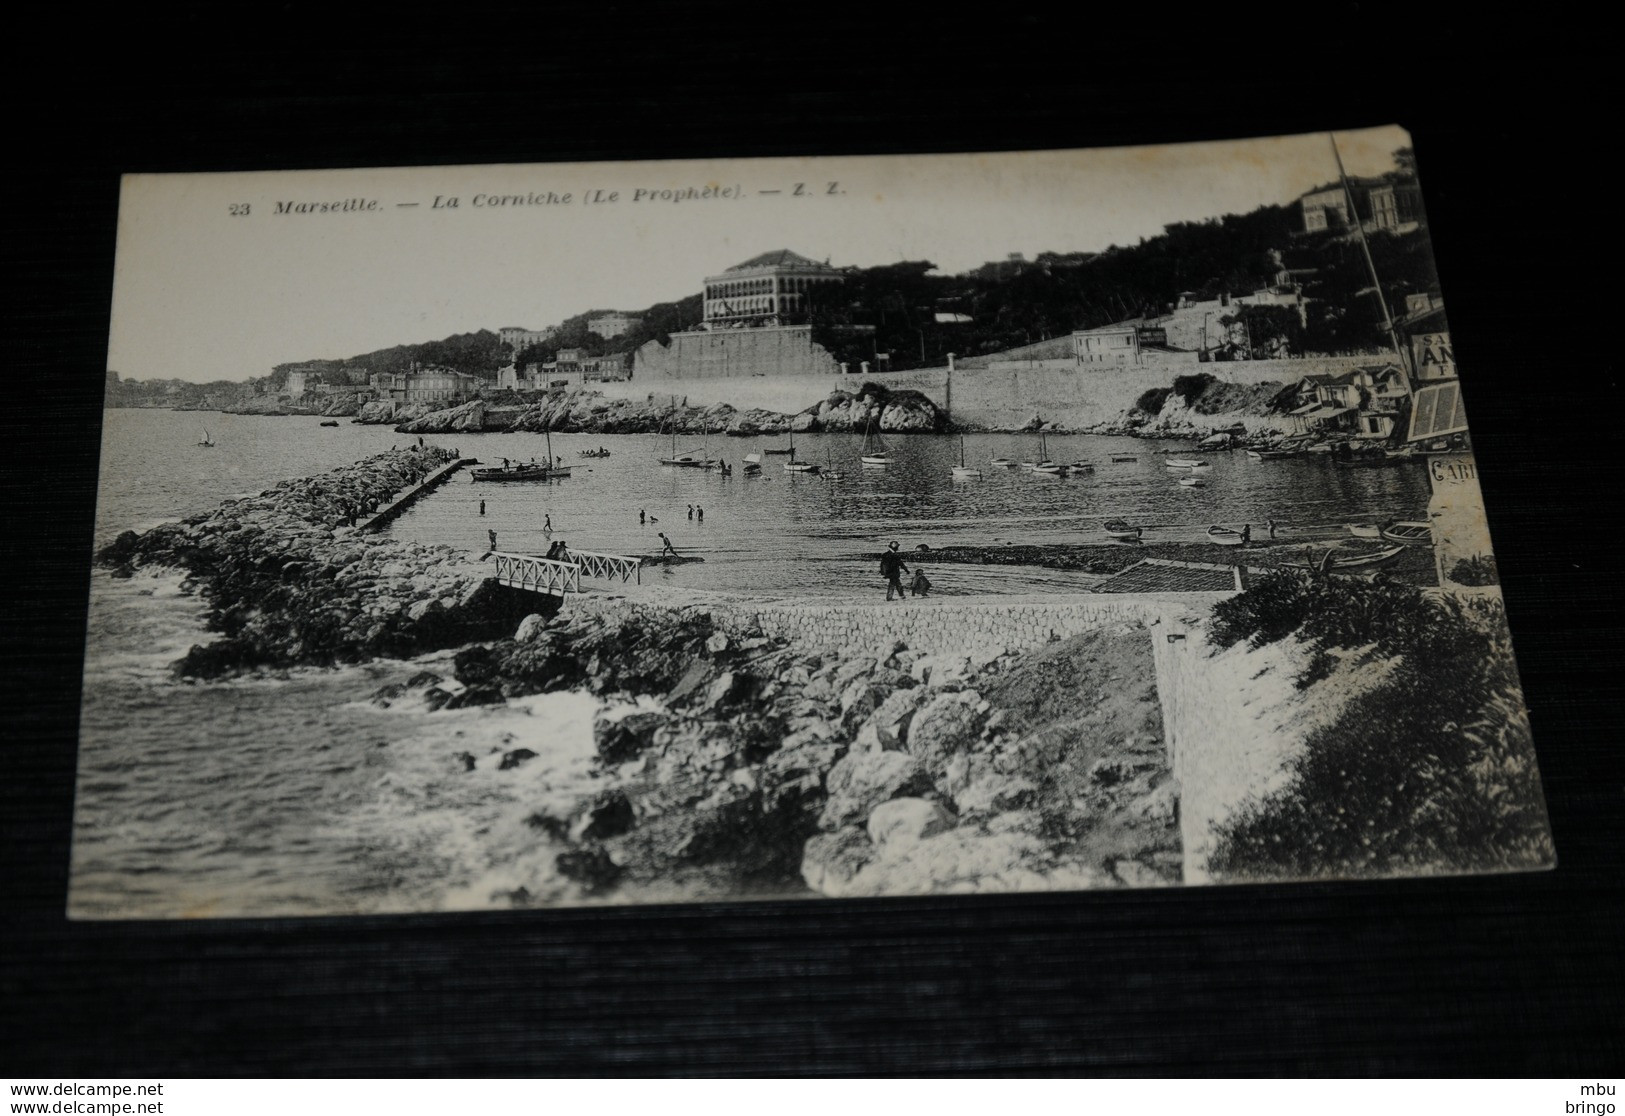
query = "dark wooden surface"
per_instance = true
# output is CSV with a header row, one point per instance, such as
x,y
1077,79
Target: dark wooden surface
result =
x,y
1485,976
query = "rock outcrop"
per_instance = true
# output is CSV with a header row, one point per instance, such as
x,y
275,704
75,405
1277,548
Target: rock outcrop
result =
x,y
289,581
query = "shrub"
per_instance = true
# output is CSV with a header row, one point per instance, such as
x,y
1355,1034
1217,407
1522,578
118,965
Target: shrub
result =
x,y
1151,402
1477,570
1433,770
1190,387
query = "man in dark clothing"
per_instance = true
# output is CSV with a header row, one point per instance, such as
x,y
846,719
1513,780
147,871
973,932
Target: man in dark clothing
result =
x,y
892,567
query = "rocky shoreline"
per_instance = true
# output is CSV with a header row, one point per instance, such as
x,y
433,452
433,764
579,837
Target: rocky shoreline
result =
x,y
748,766
754,768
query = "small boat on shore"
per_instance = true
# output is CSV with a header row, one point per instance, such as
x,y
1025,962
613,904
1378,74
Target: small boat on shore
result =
x,y
1330,561
1121,530
1224,536
1409,533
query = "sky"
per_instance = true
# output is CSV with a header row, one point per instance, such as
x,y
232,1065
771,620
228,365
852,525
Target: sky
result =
x,y
211,282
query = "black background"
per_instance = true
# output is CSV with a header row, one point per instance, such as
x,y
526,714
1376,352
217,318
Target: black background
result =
x,y
1486,976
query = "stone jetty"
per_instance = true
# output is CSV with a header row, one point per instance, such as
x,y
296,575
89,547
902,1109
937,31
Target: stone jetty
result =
x,y
291,580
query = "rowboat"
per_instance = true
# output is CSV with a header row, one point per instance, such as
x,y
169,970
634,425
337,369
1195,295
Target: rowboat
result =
x,y
1121,530
1331,562
1003,463
1270,454
518,473
874,451
1192,482
963,471
1224,536
1080,467
1411,533
1183,462
779,452
1119,458
1366,530
753,463
331,422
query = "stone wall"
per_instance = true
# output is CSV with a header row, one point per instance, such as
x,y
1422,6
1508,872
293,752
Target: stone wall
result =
x,y
971,627
1006,398
727,354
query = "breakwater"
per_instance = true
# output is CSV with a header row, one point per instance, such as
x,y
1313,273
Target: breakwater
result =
x,y
290,579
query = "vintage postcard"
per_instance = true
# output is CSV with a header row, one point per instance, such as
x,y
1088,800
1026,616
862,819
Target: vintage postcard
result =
x,y
538,536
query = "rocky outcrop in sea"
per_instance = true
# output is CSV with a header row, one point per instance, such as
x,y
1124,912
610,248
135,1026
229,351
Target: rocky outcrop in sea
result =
x,y
592,413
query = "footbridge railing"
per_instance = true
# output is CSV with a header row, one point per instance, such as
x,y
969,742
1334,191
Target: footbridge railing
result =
x,y
612,566
538,575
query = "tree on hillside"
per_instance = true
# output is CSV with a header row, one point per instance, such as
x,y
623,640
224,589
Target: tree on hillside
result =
x,y
1264,331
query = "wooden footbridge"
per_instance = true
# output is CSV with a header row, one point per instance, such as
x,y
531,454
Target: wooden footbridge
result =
x,y
557,578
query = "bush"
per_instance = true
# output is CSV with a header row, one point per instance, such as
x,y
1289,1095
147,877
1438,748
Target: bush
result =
x,y
1189,388
1477,570
1151,402
1433,770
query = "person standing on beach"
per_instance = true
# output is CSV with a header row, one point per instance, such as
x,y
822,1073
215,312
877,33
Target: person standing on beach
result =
x,y
892,567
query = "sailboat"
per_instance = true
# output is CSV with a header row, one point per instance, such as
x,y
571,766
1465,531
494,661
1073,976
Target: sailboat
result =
x,y
524,470
690,460
794,466
830,471
1043,464
208,439
874,448
963,471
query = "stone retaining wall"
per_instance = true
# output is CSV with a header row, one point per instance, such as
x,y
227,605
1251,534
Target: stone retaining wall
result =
x,y
1000,398
968,626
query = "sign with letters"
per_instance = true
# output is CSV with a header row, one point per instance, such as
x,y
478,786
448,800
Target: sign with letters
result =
x,y
1433,356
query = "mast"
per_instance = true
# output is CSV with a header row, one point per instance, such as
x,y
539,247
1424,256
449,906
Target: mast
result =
x,y
1371,268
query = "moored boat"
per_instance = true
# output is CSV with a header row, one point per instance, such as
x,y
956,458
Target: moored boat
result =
x,y
1409,533
1192,482
1120,458
794,466
1224,536
330,422
963,471
1331,560
1184,462
1365,530
753,463
1121,530
875,452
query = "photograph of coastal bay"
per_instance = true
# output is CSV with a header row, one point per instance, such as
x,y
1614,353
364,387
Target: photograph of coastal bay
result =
x,y
836,527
